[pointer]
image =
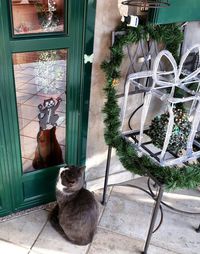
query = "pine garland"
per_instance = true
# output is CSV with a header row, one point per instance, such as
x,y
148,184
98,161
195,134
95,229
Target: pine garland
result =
x,y
173,177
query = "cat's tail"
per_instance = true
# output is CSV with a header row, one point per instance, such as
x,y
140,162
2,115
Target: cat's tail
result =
x,y
53,218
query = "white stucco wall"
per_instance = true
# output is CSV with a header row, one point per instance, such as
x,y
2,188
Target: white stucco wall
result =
x,y
107,18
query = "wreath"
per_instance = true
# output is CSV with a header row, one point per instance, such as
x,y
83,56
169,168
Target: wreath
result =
x,y
174,177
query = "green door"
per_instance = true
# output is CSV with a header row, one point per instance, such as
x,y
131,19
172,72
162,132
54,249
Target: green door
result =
x,y
44,85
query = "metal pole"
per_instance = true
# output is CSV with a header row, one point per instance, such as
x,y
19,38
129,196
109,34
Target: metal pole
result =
x,y
198,229
106,175
153,219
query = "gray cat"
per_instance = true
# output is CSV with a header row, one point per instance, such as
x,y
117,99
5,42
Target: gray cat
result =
x,y
76,213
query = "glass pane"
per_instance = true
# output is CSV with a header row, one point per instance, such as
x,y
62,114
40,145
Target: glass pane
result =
x,y
40,80
38,16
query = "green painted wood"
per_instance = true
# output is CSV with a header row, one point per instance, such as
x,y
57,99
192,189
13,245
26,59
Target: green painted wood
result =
x,y
179,11
11,121
37,44
87,69
5,204
74,80
20,191
8,99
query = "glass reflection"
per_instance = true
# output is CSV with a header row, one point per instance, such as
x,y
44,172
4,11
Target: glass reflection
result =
x,y
38,16
40,80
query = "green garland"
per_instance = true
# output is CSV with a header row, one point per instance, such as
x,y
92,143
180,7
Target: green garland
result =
x,y
172,177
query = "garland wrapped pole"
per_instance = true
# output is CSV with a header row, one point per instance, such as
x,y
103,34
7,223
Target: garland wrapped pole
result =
x,y
171,177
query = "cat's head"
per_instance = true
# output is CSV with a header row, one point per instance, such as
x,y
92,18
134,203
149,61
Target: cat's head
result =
x,y
49,103
72,178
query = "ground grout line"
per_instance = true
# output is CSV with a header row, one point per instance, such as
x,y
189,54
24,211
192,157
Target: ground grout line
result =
x,y
137,239
104,206
172,251
38,236
23,103
112,190
100,217
165,208
88,249
119,233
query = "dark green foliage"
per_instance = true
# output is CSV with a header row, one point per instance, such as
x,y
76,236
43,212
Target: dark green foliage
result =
x,y
180,132
172,177
111,110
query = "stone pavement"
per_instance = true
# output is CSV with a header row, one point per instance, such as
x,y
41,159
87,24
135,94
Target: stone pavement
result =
x,y
122,228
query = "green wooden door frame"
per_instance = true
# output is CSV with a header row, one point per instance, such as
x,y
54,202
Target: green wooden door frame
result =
x,y
5,197
87,69
23,191
178,11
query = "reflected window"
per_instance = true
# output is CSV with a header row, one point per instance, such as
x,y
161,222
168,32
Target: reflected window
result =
x,y
40,80
37,16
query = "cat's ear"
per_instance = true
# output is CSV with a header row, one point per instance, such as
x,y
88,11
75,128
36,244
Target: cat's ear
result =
x,y
62,169
81,169
53,129
44,103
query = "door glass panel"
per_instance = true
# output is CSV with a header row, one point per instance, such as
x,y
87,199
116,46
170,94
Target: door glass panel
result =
x,y
40,80
37,16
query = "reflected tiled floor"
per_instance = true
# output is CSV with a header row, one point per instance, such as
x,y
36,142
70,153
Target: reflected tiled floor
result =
x,y
29,96
122,228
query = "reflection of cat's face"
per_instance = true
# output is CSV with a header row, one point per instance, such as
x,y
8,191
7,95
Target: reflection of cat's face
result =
x,y
72,178
49,103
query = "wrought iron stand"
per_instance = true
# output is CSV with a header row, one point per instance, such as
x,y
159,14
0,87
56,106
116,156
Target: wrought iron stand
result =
x,y
155,191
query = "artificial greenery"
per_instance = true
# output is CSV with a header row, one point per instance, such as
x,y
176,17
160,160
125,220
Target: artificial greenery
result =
x,y
180,132
47,16
173,177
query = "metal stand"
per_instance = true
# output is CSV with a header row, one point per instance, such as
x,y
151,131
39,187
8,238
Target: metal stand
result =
x,y
153,219
159,187
106,175
198,229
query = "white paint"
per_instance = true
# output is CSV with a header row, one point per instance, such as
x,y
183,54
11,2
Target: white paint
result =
x,y
59,186
191,35
88,59
160,81
134,21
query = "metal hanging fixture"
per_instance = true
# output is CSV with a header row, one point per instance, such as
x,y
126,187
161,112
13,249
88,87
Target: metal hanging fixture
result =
x,y
150,4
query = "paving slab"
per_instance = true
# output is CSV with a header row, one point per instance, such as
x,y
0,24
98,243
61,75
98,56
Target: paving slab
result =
x,y
109,242
185,199
23,230
51,242
128,212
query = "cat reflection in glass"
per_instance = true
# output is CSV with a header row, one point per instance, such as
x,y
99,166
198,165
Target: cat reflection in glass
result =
x,y
76,214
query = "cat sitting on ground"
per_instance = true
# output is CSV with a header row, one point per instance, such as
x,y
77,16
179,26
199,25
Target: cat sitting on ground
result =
x,y
76,213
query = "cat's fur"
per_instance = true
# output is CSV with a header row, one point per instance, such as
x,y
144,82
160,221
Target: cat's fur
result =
x,y
48,152
76,213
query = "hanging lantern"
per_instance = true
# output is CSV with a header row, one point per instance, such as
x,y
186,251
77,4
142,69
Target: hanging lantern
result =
x,y
147,4
170,137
